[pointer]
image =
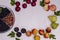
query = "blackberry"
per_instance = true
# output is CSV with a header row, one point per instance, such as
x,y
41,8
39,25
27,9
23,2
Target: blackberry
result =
x,y
3,26
23,30
4,13
16,29
18,34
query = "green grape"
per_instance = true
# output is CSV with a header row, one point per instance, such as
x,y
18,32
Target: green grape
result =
x,y
12,0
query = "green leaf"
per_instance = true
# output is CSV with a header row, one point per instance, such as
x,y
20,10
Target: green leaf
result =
x,y
0,9
12,34
17,38
42,3
57,13
12,3
12,0
51,36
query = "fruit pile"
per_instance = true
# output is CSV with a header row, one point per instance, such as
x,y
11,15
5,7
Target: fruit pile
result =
x,y
45,33
46,6
17,8
33,2
52,18
24,5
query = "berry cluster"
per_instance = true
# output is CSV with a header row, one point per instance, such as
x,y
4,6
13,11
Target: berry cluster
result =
x,y
45,33
17,6
18,34
46,5
24,5
33,2
53,18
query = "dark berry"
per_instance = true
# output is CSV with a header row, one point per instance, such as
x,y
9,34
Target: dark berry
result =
x,y
24,5
23,30
4,13
28,1
16,29
17,3
3,26
24,0
34,0
17,9
18,34
33,4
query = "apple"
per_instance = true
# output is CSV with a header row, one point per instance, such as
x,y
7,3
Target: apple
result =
x,y
34,31
36,37
28,33
46,1
52,7
46,35
46,7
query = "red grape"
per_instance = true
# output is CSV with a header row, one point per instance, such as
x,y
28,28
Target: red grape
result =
x,y
17,9
33,4
28,1
17,3
24,5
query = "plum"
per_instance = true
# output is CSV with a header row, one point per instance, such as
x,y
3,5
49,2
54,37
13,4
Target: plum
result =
x,y
41,31
48,29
